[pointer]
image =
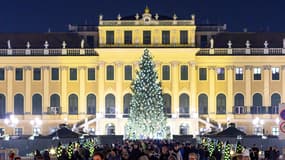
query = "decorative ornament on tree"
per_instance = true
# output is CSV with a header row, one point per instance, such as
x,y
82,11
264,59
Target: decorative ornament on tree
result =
x,y
59,150
227,151
239,147
147,118
70,150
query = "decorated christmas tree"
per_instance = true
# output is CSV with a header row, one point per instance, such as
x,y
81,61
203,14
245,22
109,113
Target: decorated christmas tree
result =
x,y
220,146
70,150
211,148
239,147
227,151
59,150
146,118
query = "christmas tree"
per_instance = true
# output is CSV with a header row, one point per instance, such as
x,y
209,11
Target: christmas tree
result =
x,y
147,118
239,147
211,148
227,151
59,150
70,150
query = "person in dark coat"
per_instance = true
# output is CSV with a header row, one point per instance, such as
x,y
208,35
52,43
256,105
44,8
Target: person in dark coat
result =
x,y
46,155
164,153
135,153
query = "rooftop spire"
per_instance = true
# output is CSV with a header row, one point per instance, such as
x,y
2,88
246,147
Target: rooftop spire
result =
x,y
146,10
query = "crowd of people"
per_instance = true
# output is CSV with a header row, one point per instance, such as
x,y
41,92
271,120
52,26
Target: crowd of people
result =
x,y
155,150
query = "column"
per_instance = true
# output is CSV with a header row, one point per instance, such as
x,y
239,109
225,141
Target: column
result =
x,y
266,85
119,86
175,86
28,85
283,83
10,99
101,88
212,96
63,97
82,97
46,78
248,78
193,87
229,97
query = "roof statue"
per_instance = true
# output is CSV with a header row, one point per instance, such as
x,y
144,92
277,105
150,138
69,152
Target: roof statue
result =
x,y
28,45
247,44
63,44
212,43
46,44
82,43
119,17
137,16
9,44
156,16
230,44
100,17
174,16
266,44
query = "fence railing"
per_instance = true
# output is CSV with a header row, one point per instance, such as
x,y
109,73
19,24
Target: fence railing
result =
x,y
241,51
255,110
51,52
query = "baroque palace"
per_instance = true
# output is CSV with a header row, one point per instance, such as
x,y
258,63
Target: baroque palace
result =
x,y
210,77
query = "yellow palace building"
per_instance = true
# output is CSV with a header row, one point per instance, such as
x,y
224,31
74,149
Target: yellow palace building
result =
x,y
210,77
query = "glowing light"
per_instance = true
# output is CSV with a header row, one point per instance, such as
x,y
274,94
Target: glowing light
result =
x,y
232,152
52,151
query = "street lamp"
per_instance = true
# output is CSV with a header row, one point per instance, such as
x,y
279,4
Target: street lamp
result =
x,y
12,121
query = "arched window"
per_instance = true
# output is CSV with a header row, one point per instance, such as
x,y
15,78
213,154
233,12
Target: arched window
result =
x,y
275,99
110,129
203,104
2,106
37,104
91,104
127,101
183,129
110,109
239,100
18,104
221,104
54,103
73,104
167,104
257,99
183,105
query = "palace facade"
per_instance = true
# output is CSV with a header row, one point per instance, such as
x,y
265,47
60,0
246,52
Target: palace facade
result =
x,y
210,77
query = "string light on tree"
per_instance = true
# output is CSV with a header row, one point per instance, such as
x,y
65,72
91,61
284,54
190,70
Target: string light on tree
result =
x,y
59,150
146,118
227,151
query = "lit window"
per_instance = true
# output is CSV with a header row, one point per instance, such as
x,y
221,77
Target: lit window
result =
x,y
257,131
221,73
275,131
18,131
275,73
36,131
257,73
239,74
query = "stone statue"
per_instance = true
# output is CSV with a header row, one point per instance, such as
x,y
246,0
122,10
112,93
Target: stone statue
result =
x,y
100,17
63,44
9,44
137,16
82,43
211,43
247,44
266,44
230,44
28,45
46,45
156,16
174,17
119,17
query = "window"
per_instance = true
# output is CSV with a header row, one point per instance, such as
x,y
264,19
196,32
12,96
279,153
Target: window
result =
x,y
128,72
73,104
19,74
239,74
54,104
2,106
202,74
73,74
110,108
2,74
183,129
90,41
146,37
184,105
91,104
203,41
184,72
275,99
183,37
257,130
37,104
18,104
221,73
127,102
165,72
275,73
2,131
18,131
167,104
165,37
257,73
36,131
109,37
203,104
128,37
257,99
54,74
110,72
275,131
91,74
37,74
239,100
221,104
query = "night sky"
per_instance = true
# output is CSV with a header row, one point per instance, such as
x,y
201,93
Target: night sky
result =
x,y
39,15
